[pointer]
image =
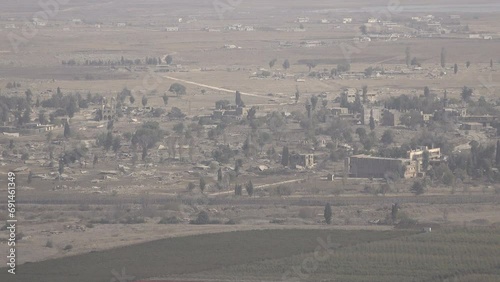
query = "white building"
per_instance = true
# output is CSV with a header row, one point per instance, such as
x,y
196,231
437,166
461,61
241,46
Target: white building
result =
x,y
303,19
172,28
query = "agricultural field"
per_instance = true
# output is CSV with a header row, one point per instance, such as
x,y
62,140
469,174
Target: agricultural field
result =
x,y
456,254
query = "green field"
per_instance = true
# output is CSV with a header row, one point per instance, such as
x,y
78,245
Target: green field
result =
x,y
448,255
470,255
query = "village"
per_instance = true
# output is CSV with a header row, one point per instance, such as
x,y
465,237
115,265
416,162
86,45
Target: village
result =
x,y
194,121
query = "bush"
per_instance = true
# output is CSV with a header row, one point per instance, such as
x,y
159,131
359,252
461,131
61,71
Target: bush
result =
x,y
283,190
232,222
68,247
133,220
49,244
170,220
278,221
406,222
203,218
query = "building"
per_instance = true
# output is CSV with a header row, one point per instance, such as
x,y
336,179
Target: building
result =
x,y
471,126
364,166
390,118
418,157
303,20
418,154
368,112
349,94
108,109
347,20
339,111
302,160
172,28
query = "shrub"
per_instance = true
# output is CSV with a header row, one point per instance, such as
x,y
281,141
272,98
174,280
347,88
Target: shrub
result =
x,y
203,218
49,244
68,247
283,190
170,220
278,221
133,220
232,222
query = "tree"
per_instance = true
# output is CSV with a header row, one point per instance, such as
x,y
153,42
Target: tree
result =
x,y
314,102
455,69
285,156
387,137
61,166
203,218
29,96
427,91
286,64
297,95
425,160
372,121
272,63
414,62
238,188
361,132
26,117
408,56
308,109
144,101
365,94
238,100
466,93
71,107
328,213
467,64
497,158
249,187
169,59
165,99
394,212
311,65
67,130
363,29
443,57
179,128
203,184
116,144
95,161
219,175
418,188
132,99
178,89
344,67
147,136
108,143
110,125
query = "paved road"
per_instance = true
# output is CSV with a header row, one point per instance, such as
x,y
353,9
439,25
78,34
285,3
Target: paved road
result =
x,y
216,88
260,186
